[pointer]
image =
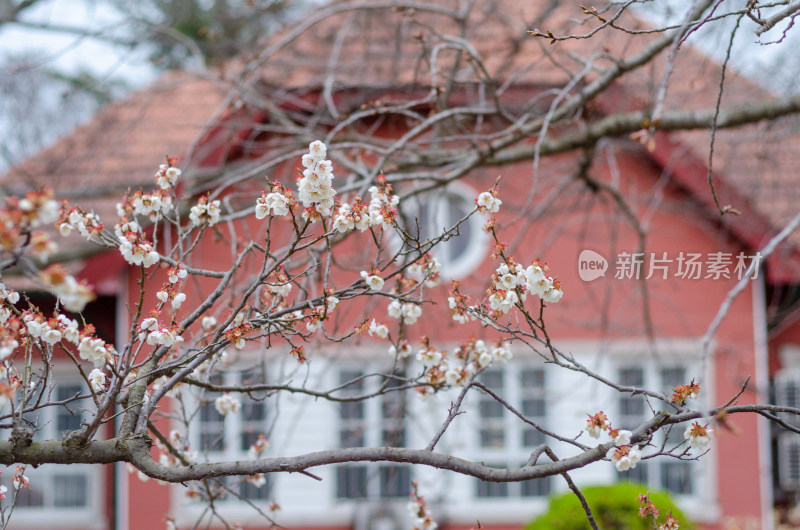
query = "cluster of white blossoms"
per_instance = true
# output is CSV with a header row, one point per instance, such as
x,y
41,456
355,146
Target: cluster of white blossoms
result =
x,y
421,518
409,312
488,203
205,212
48,330
155,334
167,175
426,269
40,208
172,296
547,288
381,330
510,286
227,404
54,330
624,457
154,205
315,188
373,280
698,436
98,380
381,211
95,350
278,202
87,224
137,251
456,369
72,294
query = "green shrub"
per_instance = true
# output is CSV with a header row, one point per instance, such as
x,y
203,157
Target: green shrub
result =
x,y
614,507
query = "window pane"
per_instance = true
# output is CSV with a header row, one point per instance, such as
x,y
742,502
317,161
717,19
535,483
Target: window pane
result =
x,y
351,482
631,377
70,491
489,408
492,438
492,489
533,407
671,377
533,378
351,410
539,487
29,498
351,436
532,438
395,481
676,477
212,427
492,379
68,418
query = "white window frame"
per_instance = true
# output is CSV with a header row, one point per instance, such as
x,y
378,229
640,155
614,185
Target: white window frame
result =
x,y
513,452
233,450
373,423
652,373
438,218
89,516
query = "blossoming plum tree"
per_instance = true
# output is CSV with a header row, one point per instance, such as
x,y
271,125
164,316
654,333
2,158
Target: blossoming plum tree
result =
x,y
279,293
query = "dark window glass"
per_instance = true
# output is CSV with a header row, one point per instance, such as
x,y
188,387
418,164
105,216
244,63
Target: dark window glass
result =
x,y
492,489
70,491
539,487
395,481
351,482
676,477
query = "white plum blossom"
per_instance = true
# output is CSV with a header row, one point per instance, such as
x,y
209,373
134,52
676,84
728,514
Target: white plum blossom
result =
x,y
621,437
205,212
502,352
503,301
98,380
10,295
139,253
488,203
315,188
408,311
381,330
227,404
597,424
272,203
69,328
373,281
177,274
625,457
7,347
429,357
698,436
177,300
208,322
167,176
95,351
